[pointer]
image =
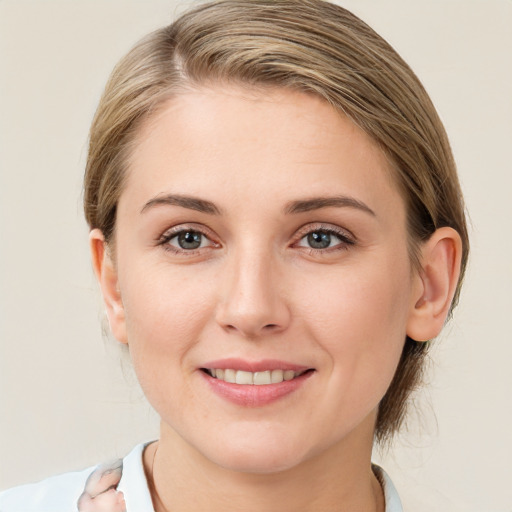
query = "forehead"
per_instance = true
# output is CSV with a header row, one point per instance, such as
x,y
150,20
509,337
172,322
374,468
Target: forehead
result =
x,y
277,142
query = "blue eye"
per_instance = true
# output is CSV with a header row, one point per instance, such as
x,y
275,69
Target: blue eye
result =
x,y
320,239
187,240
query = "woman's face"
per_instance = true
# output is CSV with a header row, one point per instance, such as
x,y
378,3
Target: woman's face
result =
x,y
260,237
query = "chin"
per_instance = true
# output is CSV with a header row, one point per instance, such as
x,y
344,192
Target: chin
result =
x,y
257,463
257,456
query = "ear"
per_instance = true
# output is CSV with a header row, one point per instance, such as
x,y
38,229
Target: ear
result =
x,y
436,283
106,273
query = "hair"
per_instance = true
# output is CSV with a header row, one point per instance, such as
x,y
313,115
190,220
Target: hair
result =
x,y
311,46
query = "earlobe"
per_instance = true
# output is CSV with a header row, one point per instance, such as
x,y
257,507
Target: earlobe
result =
x,y
437,282
106,273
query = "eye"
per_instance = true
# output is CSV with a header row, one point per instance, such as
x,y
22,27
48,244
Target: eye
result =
x,y
325,238
319,239
188,240
185,240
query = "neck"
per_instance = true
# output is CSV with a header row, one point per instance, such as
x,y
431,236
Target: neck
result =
x,y
181,479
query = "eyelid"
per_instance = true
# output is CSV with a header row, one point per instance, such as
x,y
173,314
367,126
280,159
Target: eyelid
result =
x,y
345,237
172,232
311,227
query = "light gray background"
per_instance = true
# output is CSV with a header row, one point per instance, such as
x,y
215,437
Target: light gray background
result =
x,y
66,401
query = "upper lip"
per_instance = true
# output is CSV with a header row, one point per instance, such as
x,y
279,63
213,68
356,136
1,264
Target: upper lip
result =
x,y
262,365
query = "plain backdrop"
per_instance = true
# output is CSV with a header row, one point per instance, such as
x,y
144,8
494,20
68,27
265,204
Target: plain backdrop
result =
x,y
67,398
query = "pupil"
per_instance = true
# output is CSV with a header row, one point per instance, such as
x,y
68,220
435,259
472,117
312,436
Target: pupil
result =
x,y
189,240
319,240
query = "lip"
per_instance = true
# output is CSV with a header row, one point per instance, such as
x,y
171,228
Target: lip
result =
x,y
247,395
253,366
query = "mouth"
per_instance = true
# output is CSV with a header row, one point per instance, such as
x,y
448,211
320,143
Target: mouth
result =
x,y
254,384
260,378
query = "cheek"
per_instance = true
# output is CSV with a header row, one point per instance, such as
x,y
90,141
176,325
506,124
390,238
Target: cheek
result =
x,y
359,318
166,310
355,303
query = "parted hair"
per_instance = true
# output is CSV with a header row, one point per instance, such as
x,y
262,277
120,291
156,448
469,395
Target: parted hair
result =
x,y
307,45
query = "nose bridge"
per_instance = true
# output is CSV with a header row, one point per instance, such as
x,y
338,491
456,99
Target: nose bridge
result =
x,y
252,302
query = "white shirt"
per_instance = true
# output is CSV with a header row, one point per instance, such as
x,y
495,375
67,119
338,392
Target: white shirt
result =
x,y
61,493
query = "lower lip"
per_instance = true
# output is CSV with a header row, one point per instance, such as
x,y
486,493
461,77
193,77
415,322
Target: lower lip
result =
x,y
251,395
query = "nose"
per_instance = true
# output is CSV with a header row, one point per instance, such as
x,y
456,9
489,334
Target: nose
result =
x,y
252,301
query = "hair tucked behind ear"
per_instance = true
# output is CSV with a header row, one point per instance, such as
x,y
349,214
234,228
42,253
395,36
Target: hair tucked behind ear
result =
x,y
306,45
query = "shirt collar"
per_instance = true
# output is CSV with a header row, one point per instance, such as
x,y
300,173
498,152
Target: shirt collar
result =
x,y
135,487
134,484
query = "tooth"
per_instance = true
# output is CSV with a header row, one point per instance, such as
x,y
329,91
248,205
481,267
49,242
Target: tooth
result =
x,y
276,376
230,376
288,375
243,377
262,378
257,378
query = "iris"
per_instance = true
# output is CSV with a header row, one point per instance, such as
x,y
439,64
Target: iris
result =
x,y
319,239
189,239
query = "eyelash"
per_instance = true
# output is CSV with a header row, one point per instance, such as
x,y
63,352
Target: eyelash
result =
x,y
176,231
345,239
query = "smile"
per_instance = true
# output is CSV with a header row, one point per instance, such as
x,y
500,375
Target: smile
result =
x,y
260,378
254,384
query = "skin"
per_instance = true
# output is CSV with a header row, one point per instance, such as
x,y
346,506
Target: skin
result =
x,y
256,290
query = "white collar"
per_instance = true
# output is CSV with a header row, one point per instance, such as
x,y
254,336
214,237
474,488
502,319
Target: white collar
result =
x,y
135,488
133,482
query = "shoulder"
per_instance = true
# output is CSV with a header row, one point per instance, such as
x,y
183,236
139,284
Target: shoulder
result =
x,y
55,494
89,489
393,503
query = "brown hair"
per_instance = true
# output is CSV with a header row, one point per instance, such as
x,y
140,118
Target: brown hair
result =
x,y
307,45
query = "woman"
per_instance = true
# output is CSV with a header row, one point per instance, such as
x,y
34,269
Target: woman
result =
x,y
277,229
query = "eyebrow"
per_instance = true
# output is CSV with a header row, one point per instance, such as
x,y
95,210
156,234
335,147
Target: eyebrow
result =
x,y
299,206
192,203
316,203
